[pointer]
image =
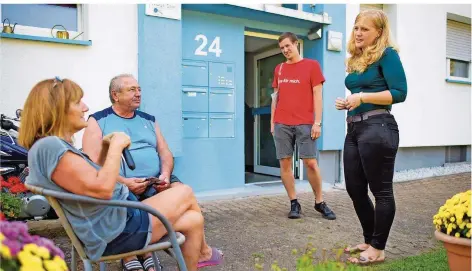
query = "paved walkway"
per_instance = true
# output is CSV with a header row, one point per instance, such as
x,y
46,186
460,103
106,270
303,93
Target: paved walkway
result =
x,y
252,226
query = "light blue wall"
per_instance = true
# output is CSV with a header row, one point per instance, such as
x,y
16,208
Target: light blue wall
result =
x,y
307,8
332,63
164,45
215,163
159,68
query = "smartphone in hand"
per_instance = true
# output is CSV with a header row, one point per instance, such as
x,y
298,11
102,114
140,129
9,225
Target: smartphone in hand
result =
x,y
154,180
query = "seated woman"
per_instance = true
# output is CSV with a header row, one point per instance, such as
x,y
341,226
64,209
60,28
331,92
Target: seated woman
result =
x,y
53,113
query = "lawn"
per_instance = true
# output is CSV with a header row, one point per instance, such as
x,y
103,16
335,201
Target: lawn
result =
x,y
435,260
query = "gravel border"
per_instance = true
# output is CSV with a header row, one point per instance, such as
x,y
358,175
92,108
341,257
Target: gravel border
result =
x,y
422,173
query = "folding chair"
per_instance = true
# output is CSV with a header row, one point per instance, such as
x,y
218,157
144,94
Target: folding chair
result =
x,y
171,240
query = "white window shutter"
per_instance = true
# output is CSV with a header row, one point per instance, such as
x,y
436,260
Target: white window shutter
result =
x,y
458,41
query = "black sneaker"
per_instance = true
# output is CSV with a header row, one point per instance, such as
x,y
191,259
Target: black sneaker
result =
x,y
295,210
325,211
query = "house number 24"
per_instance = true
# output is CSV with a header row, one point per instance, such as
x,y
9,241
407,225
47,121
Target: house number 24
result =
x,y
214,46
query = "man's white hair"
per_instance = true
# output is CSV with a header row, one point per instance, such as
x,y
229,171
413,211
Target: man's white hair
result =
x,y
116,84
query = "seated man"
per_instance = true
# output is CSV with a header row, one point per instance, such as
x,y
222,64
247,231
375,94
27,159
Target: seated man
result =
x,y
149,149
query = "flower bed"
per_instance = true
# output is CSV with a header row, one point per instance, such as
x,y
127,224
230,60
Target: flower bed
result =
x,y
21,251
12,190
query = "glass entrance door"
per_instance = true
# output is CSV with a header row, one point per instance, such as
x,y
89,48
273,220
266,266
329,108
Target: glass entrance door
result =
x,y
265,159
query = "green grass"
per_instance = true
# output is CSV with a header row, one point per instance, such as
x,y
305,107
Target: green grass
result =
x,y
435,260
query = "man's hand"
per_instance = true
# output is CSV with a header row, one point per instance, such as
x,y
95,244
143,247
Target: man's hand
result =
x,y
166,183
315,131
272,128
136,185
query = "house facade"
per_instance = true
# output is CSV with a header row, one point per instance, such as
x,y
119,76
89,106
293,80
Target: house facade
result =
x,y
205,73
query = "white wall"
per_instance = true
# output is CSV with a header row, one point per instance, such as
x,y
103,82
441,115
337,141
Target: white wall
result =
x,y
436,113
113,30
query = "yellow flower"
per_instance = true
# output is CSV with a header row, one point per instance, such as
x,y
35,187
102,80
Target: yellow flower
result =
x,y
31,248
43,253
449,230
452,219
28,259
5,251
52,265
467,235
60,262
31,268
457,235
469,225
2,237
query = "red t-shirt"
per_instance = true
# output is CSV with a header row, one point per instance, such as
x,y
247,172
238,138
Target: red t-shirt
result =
x,y
295,83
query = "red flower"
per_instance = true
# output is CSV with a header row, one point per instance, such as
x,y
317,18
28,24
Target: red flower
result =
x,y
18,188
2,216
6,184
14,180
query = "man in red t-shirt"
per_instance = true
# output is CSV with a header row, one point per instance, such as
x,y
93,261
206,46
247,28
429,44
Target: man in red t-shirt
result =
x,y
296,118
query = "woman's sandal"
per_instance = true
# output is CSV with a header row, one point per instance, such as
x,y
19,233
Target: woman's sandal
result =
x,y
216,259
366,260
132,265
353,249
148,263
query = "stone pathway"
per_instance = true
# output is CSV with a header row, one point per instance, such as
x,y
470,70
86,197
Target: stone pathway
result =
x,y
244,228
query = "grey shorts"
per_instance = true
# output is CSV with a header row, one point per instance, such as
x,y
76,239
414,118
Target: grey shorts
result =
x,y
285,137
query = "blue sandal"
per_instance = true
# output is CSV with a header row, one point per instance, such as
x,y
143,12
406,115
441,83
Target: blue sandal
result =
x,y
132,265
148,263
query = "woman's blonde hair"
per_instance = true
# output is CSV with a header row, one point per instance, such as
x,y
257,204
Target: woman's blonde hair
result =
x,y
45,110
361,59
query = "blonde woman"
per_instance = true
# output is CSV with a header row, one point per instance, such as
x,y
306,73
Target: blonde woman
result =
x,y
376,80
53,113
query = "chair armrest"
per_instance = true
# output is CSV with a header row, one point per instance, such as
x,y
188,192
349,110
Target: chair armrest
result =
x,y
119,203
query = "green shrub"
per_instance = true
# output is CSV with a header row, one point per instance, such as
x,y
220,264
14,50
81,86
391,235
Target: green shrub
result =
x,y
10,205
310,260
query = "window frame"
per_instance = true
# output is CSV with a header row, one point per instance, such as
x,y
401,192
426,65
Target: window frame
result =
x,y
456,78
449,78
82,10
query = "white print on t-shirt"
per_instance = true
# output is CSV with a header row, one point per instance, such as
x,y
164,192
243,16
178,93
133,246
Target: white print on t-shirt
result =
x,y
290,81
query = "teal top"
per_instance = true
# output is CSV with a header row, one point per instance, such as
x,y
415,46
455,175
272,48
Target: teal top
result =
x,y
141,130
94,225
385,74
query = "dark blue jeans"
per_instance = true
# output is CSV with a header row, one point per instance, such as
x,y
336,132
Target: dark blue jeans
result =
x,y
370,149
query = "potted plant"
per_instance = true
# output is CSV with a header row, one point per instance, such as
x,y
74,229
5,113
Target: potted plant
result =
x,y
453,228
21,251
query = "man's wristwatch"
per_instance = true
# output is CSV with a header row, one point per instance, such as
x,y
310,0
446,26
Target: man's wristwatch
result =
x,y
318,124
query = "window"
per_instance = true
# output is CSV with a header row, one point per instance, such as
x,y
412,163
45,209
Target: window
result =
x,y
458,51
39,19
291,6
